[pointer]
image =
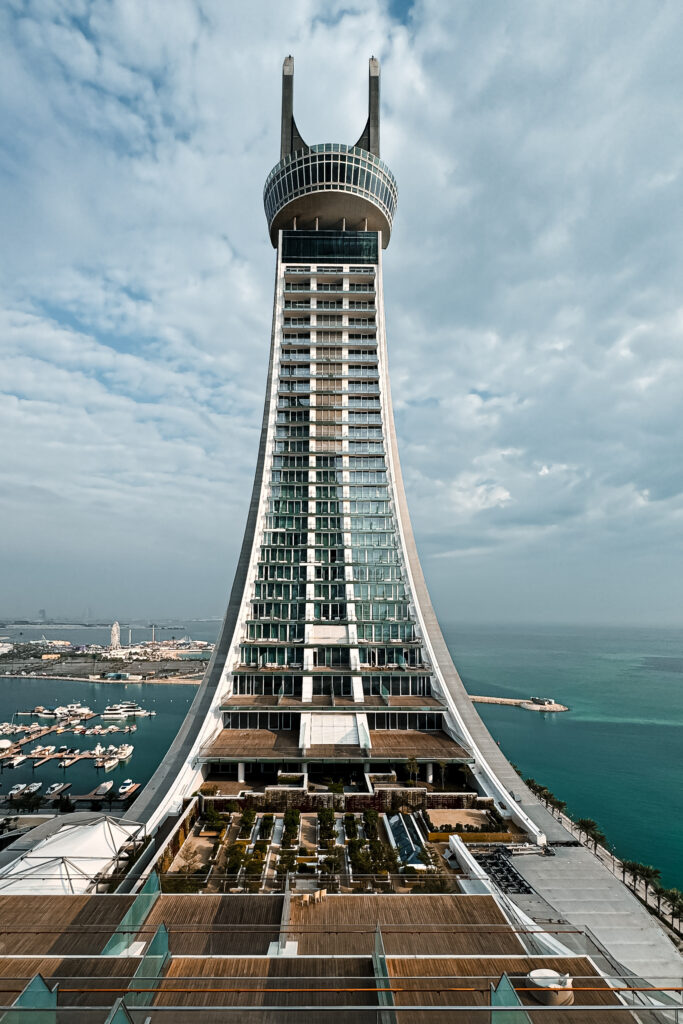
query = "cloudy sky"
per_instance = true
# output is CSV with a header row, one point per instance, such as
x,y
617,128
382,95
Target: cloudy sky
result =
x,y
533,290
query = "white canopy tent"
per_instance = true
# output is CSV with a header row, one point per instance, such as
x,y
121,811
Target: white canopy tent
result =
x,y
72,858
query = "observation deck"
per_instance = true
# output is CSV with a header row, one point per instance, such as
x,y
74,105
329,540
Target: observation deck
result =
x,y
328,186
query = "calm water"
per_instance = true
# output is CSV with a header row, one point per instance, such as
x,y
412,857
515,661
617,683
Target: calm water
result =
x,y
617,756
151,740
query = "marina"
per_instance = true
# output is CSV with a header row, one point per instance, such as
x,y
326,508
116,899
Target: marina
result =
x,y
62,753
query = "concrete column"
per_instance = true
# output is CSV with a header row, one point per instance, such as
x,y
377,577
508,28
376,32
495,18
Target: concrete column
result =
x,y
429,772
240,771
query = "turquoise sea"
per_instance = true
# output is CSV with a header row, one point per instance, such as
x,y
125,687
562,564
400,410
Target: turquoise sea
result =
x,y
150,740
616,756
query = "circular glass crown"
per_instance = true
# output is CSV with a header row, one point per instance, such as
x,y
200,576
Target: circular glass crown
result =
x,y
332,184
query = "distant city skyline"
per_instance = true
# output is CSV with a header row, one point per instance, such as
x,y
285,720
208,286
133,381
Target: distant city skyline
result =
x,y
534,293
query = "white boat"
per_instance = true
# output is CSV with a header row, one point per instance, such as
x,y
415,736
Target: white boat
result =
x,y
125,751
126,709
109,763
17,790
78,709
54,788
104,788
126,787
16,760
49,750
33,787
98,750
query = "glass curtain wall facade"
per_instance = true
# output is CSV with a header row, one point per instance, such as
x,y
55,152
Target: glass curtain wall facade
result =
x,y
328,629
330,652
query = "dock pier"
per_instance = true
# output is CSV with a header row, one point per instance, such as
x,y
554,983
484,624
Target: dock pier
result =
x,y
520,702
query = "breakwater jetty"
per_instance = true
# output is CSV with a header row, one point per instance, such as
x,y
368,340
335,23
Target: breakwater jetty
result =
x,y
528,703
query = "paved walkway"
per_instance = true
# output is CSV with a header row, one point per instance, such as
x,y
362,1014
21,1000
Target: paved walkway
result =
x,y
583,891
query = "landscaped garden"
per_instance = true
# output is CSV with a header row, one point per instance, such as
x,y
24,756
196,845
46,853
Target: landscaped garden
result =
x,y
263,850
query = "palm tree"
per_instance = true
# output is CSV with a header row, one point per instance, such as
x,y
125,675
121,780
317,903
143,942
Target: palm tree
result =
x,y
674,897
585,825
652,877
679,908
649,876
634,868
628,867
660,891
561,806
413,768
596,835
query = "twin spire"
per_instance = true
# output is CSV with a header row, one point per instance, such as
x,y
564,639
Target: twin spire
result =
x,y
291,140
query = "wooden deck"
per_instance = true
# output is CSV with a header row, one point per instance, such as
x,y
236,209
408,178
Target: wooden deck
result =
x,y
218,925
408,701
71,973
271,973
337,751
250,743
426,925
407,743
59,925
482,972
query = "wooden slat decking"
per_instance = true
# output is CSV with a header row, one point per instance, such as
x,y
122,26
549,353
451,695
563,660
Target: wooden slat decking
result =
x,y
339,751
320,975
415,924
59,925
219,925
71,973
249,743
407,701
405,743
481,972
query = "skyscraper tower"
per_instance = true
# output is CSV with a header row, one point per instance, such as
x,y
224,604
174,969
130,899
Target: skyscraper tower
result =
x,y
330,659
115,641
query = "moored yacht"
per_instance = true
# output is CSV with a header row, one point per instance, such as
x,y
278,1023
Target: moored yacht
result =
x,y
126,709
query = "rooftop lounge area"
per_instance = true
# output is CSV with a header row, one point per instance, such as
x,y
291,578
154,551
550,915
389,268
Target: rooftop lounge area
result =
x,y
337,958
386,745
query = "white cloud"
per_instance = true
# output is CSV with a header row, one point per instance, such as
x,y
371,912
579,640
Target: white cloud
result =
x,y
533,290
